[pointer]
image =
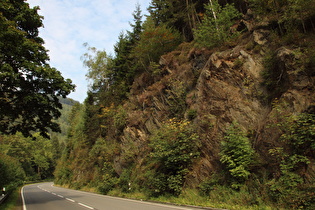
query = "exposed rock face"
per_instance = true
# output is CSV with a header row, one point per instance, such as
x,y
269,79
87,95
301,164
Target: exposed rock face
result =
x,y
222,87
261,36
227,90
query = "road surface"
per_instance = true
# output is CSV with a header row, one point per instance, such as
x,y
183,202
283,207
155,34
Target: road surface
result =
x,y
45,196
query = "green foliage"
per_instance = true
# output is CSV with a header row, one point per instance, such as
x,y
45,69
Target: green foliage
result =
x,y
102,153
112,76
181,15
109,180
11,172
75,150
29,86
97,63
36,157
63,121
207,186
63,172
124,182
215,28
237,155
174,147
300,135
136,26
293,157
290,15
154,42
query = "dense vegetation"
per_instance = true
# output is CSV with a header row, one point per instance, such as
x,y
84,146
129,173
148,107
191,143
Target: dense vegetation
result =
x,y
137,135
30,90
29,86
132,84
27,159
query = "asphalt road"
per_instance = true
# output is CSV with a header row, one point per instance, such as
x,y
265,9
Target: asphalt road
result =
x,y
45,196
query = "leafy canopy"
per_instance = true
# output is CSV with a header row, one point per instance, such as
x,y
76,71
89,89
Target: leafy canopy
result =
x,y
215,29
29,87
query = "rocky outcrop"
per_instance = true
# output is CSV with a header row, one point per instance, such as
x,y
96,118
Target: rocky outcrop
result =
x,y
222,87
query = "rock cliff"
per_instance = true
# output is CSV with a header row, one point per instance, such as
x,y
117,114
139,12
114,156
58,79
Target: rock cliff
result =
x,y
218,87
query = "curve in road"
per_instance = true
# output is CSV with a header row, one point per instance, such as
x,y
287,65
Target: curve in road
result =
x,y
48,197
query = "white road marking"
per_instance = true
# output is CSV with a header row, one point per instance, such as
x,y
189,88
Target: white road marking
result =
x,y
130,200
70,200
23,200
24,206
89,207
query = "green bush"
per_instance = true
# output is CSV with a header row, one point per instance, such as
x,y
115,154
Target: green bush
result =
x,y
11,172
237,155
109,179
155,183
124,182
298,138
207,186
174,147
107,184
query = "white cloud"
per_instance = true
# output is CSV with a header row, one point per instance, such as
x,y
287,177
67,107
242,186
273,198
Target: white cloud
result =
x,y
70,23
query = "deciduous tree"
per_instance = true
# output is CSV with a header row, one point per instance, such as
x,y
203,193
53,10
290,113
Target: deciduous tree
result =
x,y
29,87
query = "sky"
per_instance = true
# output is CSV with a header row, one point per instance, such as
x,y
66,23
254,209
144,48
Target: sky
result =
x,y
68,24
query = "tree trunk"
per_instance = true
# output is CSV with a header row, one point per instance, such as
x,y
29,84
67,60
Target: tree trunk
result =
x,y
188,14
215,17
38,171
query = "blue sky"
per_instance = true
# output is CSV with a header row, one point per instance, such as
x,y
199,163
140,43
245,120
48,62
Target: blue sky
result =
x,y
70,23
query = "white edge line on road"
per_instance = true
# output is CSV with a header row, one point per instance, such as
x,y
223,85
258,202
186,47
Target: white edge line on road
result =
x,y
23,200
89,207
60,196
130,200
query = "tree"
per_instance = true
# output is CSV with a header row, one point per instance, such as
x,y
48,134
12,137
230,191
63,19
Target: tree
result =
x,y
29,86
298,12
97,62
136,26
181,15
154,42
124,65
290,14
11,172
215,28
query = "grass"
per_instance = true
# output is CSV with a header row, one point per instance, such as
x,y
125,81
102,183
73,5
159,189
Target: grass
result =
x,y
192,197
222,198
13,202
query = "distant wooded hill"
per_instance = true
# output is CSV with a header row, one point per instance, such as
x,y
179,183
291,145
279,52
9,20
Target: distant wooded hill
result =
x,y
67,101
